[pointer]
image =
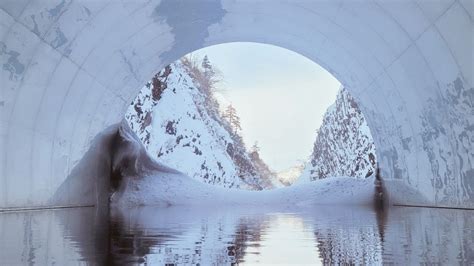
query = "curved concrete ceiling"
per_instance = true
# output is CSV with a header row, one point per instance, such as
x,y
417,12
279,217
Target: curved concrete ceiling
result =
x,y
71,68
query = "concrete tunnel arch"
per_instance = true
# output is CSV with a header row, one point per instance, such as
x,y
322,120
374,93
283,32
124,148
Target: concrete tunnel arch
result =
x,y
71,68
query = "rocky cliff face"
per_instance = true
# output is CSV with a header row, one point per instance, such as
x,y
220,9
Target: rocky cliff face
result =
x,y
178,120
344,144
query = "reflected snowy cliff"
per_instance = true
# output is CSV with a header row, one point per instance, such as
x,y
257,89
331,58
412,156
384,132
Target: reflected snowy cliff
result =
x,y
223,236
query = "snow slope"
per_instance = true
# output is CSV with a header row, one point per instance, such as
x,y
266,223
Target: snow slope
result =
x,y
167,189
144,181
344,144
147,182
178,121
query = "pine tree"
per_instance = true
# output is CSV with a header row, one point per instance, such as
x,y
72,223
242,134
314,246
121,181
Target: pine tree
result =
x,y
207,67
255,147
234,120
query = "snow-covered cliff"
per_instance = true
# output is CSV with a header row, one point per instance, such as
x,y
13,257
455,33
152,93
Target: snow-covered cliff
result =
x,y
344,144
178,120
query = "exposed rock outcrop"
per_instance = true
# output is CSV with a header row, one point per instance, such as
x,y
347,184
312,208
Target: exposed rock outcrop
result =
x,y
179,122
344,144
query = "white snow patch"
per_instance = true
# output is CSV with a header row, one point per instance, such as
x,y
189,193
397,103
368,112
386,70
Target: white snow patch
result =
x,y
166,189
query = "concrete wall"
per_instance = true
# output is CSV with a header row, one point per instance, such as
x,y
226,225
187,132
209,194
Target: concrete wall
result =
x,y
70,69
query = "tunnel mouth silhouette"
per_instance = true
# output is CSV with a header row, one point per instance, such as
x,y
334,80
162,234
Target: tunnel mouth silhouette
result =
x,y
72,74
126,165
141,111
120,152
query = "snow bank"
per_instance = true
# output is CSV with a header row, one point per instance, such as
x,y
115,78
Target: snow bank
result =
x,y
144,181
165,189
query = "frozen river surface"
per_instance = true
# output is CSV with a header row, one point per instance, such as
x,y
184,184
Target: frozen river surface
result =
x,y
213,236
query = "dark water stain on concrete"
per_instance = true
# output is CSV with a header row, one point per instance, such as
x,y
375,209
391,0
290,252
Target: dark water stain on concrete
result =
x,y
12,64
190,30
60,39
129,64
56,11
35,28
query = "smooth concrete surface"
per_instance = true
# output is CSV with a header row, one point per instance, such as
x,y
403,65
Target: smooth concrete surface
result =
x,y
69,69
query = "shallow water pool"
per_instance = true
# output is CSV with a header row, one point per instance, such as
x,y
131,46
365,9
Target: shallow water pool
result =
x,y
227,235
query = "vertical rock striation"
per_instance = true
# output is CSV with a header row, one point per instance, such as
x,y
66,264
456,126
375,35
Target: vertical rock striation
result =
x,y
344,144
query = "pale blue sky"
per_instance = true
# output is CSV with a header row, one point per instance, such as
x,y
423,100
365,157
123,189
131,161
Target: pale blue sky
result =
x,y
280,96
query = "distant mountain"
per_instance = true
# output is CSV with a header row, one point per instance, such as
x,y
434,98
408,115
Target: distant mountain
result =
x,y
289,176
344,144
178,120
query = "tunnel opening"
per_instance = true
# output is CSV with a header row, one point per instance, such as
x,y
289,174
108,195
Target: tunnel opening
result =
x,y
179,114
71,68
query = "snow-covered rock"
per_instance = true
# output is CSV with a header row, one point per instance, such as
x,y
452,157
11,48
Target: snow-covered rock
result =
x,y
290,175
141,180
144,181
177,118
344,144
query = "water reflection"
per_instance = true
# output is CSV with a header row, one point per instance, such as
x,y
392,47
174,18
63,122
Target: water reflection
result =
x,y
154,236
